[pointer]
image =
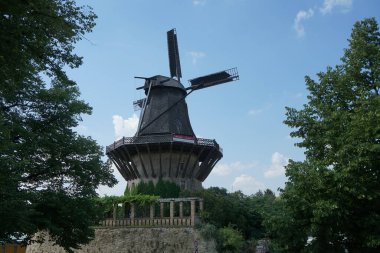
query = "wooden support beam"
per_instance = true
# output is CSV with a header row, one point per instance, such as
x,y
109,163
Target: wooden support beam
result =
x,y
132,162
160,154
118,165
151,163
196,162
141,161
211,167
170,159
125,161
179,160
187,161
204,163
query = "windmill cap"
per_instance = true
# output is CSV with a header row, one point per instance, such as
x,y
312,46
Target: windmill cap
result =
x,y
162,81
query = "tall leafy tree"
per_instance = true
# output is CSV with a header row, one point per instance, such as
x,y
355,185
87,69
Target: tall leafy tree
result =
x,y
333,197
223,209
48,172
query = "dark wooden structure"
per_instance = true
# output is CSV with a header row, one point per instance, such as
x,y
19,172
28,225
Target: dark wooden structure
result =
x,y
165,145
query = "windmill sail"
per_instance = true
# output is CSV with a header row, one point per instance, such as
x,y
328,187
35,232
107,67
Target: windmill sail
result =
x,y
139,104
174,63
214,79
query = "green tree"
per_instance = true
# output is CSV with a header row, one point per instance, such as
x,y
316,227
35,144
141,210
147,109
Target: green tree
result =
x,y
48,172
333,197
222,209
231,240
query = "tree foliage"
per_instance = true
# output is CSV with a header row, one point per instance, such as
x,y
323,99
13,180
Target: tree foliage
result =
x,y
236,221
235,210
48,172
138,199
231,240
333,197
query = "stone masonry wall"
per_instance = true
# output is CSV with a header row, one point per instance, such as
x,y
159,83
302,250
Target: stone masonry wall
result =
x,y
137,240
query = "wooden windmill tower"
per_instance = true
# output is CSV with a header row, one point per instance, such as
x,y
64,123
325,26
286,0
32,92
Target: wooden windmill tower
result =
x,y
165,146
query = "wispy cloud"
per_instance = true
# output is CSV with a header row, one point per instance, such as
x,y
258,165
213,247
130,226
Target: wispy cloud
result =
x,y
225,169
196,55
329,5
125,127
259,110
300,17
277,168
254,112
199,2
247,184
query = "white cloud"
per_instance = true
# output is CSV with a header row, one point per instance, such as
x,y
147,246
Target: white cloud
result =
x,y
329,5
277,168
226,169
221,170
195,56
125,127
247,184
199,2
301,16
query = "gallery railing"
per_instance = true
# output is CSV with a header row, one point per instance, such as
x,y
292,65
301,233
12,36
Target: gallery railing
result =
x,y
147,222
167,138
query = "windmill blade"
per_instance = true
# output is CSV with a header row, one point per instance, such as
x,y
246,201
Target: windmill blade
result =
x,y
139,104
174,63
225,76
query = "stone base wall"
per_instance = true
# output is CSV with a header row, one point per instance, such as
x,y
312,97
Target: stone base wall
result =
x,y
136,240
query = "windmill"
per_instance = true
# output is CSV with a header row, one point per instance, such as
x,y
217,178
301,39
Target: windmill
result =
x,y
165,146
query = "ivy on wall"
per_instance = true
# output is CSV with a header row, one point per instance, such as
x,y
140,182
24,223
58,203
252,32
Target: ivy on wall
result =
x,y
163,188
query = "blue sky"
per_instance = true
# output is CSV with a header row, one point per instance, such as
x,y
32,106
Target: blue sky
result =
x,y
274,44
